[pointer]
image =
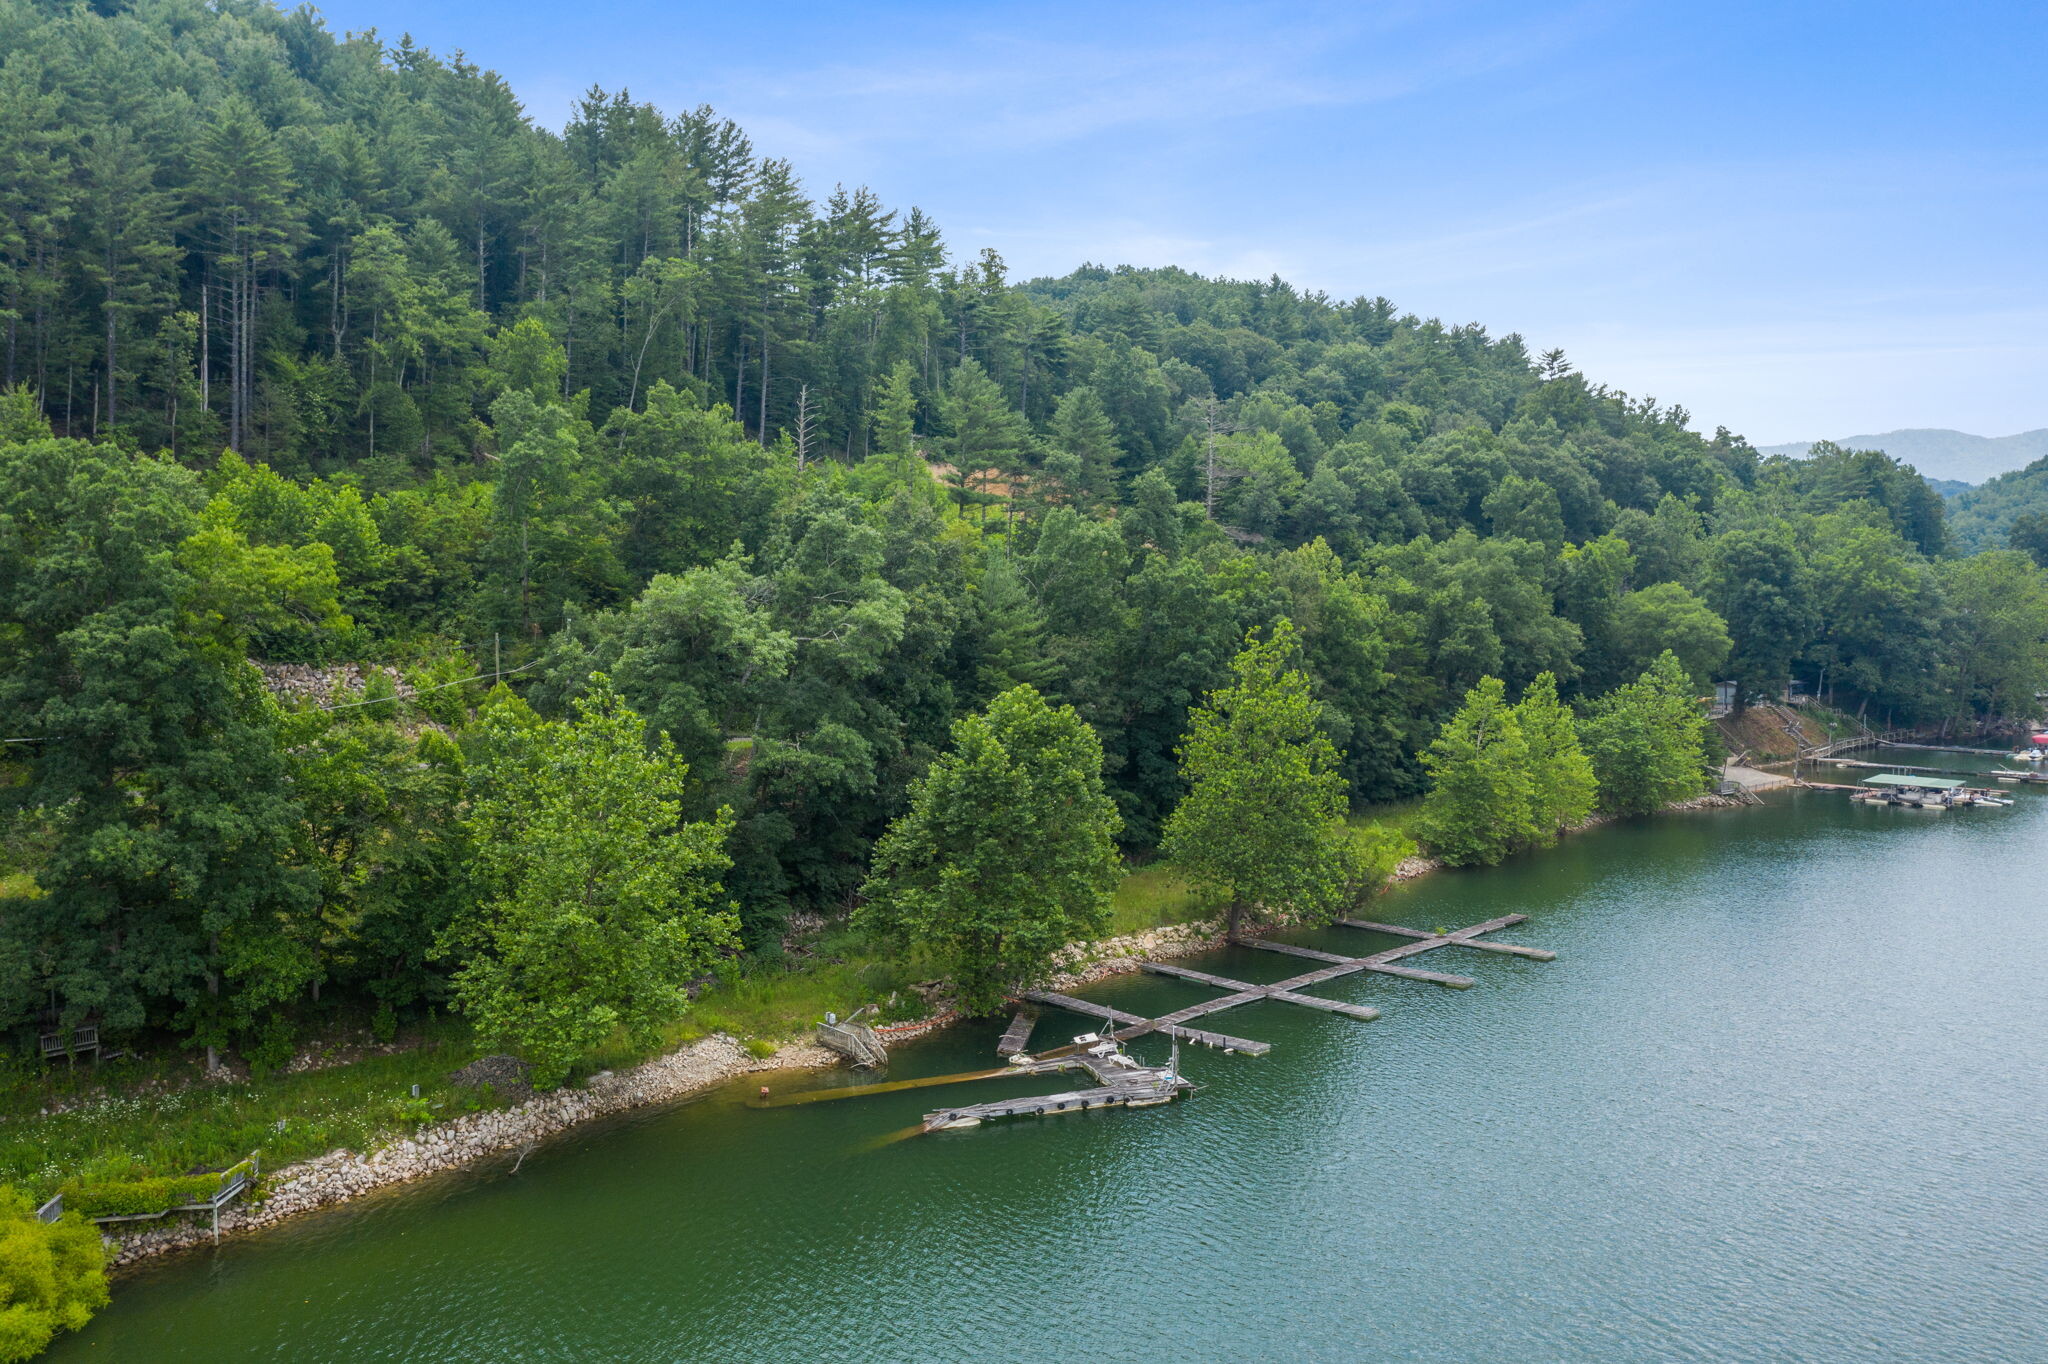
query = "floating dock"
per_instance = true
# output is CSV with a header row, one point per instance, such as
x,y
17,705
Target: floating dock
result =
x,y
1120,1083
1018,1035
1924,793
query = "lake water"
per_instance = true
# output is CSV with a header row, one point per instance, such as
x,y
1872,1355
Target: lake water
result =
x,y
1780,1097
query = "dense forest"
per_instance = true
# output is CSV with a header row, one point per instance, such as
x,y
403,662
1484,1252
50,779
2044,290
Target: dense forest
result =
x,y
2010,510
321,354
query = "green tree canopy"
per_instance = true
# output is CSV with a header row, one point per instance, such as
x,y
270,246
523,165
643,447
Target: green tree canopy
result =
x,y
172,874
1667,616
1480,805
1562,790
1263,820
1008,850
596,903
1647,740
52,1277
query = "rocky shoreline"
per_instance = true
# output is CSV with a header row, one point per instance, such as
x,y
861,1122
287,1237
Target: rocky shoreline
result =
x,y
341,1175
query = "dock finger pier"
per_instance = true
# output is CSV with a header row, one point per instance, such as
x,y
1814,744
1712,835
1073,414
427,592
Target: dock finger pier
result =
x,y
1121,1082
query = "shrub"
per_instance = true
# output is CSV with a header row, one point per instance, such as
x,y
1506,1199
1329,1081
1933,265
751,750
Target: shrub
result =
x,y
53,1276
132,1197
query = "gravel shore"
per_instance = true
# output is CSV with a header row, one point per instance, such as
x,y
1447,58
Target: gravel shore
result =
x,y
341,1175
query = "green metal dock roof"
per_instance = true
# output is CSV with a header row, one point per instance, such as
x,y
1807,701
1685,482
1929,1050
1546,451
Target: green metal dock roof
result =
x,y
1901,779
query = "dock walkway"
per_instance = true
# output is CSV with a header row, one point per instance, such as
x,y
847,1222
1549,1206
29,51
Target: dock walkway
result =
x,y
1291,991
1118,1084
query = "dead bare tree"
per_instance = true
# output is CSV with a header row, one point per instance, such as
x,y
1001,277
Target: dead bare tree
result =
x,y
803,427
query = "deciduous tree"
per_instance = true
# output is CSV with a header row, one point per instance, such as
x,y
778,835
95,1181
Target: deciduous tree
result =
x,y
1008,850
52,1277
596,902
1647,740
1562,789
1263,821
1480,805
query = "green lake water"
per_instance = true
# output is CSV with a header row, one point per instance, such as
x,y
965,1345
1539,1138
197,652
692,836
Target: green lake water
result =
x,y
1782,1096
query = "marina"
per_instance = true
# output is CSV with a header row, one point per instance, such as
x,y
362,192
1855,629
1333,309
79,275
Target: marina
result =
x,y
1925,793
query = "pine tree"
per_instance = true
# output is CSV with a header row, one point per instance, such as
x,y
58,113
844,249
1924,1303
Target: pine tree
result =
x,y
896,421
252,220
1012,628
1081,428
988,437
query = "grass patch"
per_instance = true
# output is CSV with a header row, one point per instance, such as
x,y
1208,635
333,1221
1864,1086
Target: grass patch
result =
x,y
153,1117
774,1000
1157,894
143,1117
1399,815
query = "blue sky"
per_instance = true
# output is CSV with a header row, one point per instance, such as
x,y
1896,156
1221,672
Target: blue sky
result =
x,y
1795,219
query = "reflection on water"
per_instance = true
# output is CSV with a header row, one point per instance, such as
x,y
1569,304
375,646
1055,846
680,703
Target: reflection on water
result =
x,y
1780,1097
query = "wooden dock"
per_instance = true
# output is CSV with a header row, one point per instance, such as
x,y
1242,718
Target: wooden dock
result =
x,y
1137,1025
1120,1083
1018,1035
1901,767
1237,987
1291,991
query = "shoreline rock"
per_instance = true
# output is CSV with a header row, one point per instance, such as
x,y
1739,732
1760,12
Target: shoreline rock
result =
x,y
342,1175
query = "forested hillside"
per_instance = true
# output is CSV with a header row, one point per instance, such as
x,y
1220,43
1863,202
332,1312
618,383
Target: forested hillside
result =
x,y
2007,510
322,351
1942,455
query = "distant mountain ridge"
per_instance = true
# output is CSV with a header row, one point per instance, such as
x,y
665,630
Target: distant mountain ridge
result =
x,y
1941,454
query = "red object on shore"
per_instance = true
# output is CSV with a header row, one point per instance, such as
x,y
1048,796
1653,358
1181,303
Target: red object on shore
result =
x,y
2039,741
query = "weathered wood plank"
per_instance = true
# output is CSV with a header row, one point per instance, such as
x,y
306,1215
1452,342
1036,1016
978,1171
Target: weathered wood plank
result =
x,y
1291,950
1018,1035
1433,977
1395,929
1506,949
1202,1037
1148,1086
1209,1006
1327,973
1082,1006
1504,921
1462,937
1138,1025
1160,968
1365,1013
